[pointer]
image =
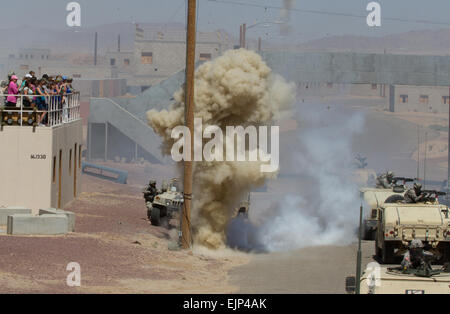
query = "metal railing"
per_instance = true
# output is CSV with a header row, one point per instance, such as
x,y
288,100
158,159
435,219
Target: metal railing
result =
x,y
54,110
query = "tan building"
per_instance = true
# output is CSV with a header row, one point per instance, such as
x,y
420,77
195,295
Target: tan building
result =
x,y
160,53
40,166
422,98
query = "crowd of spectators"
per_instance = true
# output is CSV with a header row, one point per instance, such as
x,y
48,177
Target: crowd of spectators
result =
x,y
36,93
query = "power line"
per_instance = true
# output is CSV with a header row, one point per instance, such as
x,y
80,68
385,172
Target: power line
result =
x,y
320,12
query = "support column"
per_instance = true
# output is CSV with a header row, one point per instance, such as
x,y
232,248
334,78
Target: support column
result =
x,y
106,141
392,98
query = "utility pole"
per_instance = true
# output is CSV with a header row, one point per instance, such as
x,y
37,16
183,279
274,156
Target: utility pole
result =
x,y
118,44
240,36
244,33
359,254
95,48
259,44
186,239
448,146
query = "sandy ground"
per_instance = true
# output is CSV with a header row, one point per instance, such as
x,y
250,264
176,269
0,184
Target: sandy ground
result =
x,y
117,248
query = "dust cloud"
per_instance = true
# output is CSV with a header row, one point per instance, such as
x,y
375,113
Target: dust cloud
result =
x,y
236,89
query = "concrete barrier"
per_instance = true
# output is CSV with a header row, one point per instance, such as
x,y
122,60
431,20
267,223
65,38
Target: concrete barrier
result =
x,y
54,211
5,212
27,224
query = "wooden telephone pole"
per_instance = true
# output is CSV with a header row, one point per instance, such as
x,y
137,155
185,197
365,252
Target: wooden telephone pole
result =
x,y
186,238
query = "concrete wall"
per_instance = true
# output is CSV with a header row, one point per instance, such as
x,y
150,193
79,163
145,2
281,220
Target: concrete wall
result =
x,y
27,160
361,68
331,89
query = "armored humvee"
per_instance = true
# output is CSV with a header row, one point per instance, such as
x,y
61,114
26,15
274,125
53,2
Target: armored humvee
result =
x,y
387,280
399,223
374,198
165,204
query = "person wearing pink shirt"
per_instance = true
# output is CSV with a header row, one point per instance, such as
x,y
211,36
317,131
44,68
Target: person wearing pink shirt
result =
x,y
13,90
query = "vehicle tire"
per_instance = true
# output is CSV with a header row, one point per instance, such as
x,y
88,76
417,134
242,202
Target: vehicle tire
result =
x,y
394,199
388,253
155,216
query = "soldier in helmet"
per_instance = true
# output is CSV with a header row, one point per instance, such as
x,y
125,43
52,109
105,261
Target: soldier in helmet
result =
x,y
150,191
415,195
385,181
416,256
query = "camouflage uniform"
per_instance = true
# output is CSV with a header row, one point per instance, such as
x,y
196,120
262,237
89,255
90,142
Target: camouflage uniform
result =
x,y
150,191
385,180
415,194
415,256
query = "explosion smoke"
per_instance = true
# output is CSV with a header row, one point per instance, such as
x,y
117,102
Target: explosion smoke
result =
x,y
237,88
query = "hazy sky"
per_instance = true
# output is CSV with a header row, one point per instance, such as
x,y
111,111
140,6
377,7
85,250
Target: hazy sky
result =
x,y
217,15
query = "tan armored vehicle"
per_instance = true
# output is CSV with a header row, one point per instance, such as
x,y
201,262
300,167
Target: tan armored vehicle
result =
x,y
166,204
374,198
399,223
388,281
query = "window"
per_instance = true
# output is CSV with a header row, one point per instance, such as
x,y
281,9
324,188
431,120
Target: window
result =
x,y
76,75
126,62
112,62
330,85
374,86
21,56
42,57
205,57
423,99
11,56
24,67
404,99
445,100
147,57
31,56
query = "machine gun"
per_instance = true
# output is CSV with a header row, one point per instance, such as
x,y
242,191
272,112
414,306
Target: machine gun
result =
x,y
434,192
431,195
396,179
423,268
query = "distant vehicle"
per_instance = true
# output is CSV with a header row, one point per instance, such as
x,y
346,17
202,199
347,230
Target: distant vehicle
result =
x,y
399,223
166,204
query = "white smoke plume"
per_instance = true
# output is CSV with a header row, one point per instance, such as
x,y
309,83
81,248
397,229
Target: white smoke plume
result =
x,y
236,89
326,212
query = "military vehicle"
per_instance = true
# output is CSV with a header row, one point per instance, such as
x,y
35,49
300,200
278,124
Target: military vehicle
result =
x,y
165,204
375,198
387,280
399,223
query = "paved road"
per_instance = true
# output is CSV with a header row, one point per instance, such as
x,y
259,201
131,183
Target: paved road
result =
x,y
306,271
